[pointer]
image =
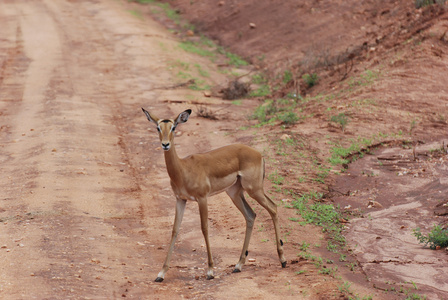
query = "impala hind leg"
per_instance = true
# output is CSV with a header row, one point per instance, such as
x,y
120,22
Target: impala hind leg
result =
x,y
180,208
271,207
236,193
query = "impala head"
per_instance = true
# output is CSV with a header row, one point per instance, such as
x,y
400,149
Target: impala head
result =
x,y
166,127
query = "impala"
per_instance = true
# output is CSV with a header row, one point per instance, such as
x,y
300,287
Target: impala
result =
x,y
234,169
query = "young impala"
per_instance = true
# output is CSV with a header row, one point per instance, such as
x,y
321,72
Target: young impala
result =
x,y
233,169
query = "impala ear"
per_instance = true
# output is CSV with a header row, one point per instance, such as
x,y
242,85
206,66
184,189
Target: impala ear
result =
x,y
150,118
182,117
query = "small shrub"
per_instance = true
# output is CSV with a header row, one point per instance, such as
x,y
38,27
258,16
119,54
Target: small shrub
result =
x,y
289,117
341,119
263,112
310,79
437,237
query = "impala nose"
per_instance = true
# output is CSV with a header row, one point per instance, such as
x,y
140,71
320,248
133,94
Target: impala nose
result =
x,y
166,146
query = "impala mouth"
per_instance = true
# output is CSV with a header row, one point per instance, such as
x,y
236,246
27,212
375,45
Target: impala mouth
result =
x,y
166,147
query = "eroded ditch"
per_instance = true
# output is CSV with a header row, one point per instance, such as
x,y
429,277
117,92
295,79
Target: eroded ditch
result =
x,y
398,189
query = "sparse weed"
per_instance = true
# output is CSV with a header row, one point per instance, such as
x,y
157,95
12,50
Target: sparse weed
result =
x,y
423,3
287,77
235,60
276,178
367,78
262,91
339,154
320,214
310,79
276,110
304,246
196,49
341,119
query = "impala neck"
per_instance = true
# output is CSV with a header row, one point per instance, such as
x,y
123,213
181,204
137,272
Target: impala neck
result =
x,y
173,163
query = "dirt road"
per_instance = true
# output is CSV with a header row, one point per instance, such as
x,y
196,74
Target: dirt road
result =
x,y
85,206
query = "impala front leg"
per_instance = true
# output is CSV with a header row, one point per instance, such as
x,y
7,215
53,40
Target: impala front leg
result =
x,y
180,208
203,211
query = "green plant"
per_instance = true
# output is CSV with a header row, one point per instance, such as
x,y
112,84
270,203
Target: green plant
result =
x,y
259,79
287,77
341,119
422,3
194,48
415,297
288,118
304,246
367,78
352,266
276,178
262,91
345,288
323,215
235,60
437,237
310,79
412,127
339,154
263,112
276,110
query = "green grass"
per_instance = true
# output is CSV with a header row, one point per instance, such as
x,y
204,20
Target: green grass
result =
x,y
275,178
339,154
259,79
282,110
320,214
235,60
196,49
310,79
365,79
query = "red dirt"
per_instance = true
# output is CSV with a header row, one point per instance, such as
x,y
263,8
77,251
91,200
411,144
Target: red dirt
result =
x,y
86,209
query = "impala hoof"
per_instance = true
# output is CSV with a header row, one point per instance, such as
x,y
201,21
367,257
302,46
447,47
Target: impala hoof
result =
x,y
159,279
236,271
209,277
284,264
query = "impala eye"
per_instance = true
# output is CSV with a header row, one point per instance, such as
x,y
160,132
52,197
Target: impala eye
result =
x,y
158,129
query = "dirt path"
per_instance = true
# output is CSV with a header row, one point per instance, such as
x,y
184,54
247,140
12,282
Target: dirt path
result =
x,y
85,209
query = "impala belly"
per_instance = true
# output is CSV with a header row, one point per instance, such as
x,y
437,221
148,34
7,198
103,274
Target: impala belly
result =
x,y
219,185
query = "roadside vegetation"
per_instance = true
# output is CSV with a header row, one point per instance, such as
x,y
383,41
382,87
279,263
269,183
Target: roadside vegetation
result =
x,y
437,238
